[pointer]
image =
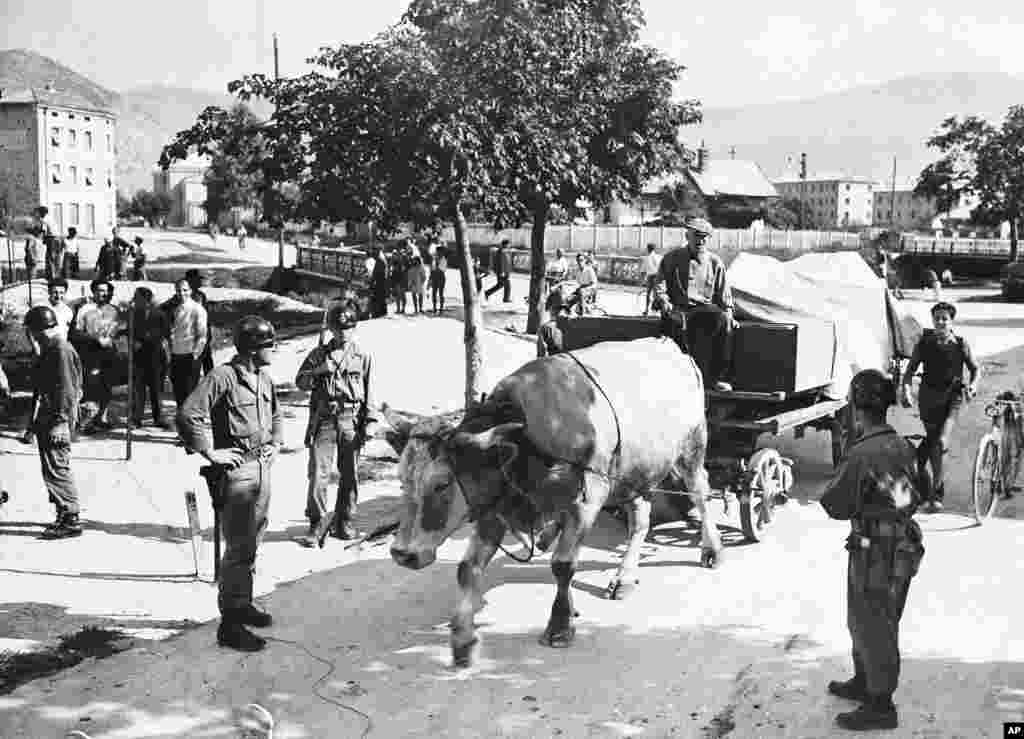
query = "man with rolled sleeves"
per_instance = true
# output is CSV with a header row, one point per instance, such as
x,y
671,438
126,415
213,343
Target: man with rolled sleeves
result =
x,y
876,490
233,420
341,418
57,389
698,313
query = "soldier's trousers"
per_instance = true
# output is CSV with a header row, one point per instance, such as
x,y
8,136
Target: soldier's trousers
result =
x,y
243,519
55,460
333,446
874,607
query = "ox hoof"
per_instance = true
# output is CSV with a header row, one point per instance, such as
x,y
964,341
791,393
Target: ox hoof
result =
x,y
463,654
711,558
621,589
559,639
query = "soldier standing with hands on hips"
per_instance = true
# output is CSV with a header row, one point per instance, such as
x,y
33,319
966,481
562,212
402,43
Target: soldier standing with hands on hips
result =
x,y
875,489
233,420
341,418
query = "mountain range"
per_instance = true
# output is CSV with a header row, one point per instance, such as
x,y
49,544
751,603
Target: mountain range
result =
x,y
857,131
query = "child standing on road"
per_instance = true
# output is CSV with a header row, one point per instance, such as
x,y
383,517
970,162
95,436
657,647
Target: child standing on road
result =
x,y
944,355
418,283
437,279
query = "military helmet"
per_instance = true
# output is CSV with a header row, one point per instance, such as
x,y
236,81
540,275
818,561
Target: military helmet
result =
x,y
343,315
40,318
252,333
872,389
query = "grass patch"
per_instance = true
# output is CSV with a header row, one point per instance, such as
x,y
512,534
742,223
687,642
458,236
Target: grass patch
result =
x,y
17,668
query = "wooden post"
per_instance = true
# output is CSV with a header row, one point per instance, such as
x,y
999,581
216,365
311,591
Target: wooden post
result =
x,y
131,383
618,238
572,235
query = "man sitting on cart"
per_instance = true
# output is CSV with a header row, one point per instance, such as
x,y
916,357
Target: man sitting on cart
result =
x,y
698,312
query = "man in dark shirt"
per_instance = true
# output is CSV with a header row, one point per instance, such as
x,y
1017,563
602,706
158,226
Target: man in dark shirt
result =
x,y
151,354
502,270
234,421
698,312
57,387
875,489
944,356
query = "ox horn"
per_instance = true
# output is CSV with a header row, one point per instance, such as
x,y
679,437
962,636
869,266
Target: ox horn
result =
x,y
485,439
401,424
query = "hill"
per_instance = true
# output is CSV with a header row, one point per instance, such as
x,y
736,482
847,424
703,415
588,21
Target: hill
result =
x,y
857,131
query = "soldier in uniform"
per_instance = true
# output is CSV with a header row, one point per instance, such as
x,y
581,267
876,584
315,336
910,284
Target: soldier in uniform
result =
x,y
57,389
876,490
233,420
341,418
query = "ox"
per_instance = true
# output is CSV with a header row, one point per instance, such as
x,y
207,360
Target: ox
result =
x,y
558,439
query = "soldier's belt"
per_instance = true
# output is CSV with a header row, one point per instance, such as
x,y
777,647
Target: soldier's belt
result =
x,y
336,407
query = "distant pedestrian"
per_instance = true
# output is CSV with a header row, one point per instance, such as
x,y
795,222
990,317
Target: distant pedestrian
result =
x,y
150,356
479,270
418,283
71,263
124,248
242,233
138,261
57,385
379,285
438,278
399,279
31,257
652,264
931,281
55,246
188,338
502,273
109,262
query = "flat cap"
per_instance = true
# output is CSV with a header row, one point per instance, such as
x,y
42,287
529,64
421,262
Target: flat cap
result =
x,y
700,225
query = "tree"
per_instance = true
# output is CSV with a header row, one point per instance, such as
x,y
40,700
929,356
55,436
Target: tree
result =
x,y
234,141
983,161
383,133
578,112
124,205
679,202
149,205
784,213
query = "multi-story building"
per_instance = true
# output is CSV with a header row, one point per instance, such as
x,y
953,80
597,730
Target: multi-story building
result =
x,y
58,149
185,183
901,209
832,201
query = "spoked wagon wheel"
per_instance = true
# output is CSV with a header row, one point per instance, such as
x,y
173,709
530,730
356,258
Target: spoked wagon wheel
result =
x,y
766,479
987,483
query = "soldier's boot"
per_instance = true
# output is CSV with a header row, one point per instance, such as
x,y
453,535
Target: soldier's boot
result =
x,y
65,527
233,634
854,689
876,713
315,535
253,616
343,528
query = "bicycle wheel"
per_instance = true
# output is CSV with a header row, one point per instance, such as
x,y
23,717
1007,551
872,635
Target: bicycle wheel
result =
x,y
988,476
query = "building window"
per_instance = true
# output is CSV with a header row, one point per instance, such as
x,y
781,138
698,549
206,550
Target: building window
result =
x,y
55,136
110,179
88,140
55,173
73,214
110,145
847,185
88,176
73,174
72,138
847,201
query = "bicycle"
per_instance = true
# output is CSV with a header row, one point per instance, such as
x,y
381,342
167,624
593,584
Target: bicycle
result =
x,y
997,462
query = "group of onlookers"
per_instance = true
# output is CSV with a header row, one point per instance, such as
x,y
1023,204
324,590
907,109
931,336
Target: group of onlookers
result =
x,y
407,270
169,340
58,256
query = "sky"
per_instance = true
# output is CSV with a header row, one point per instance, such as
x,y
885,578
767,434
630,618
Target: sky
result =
x,y
735,55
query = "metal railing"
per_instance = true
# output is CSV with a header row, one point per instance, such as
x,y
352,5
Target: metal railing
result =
x,y
944,246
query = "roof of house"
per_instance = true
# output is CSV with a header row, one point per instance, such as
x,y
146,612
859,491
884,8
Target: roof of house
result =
x,y
50,96
733,177
793,178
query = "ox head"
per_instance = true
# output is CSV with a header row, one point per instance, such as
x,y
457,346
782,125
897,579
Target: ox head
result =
x,y
442,471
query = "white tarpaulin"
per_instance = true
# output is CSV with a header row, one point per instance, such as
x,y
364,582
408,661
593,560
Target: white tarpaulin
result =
x,y
839,287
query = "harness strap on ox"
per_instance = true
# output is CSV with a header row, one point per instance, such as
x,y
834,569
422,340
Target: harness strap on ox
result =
x,y
617,451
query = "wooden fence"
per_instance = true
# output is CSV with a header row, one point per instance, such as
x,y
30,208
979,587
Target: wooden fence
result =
x,y
943,246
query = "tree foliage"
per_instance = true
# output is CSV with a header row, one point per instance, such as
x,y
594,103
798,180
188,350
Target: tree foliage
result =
x,y
149,205
983,161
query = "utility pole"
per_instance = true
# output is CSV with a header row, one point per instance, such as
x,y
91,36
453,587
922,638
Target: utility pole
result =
x,y
892,197
280,228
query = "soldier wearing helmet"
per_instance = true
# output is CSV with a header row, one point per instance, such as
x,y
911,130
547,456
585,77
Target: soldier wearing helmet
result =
x,y
341,417
233,420
698,306
876,490
57,390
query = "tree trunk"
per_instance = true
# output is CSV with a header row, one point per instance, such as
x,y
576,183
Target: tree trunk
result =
x,y
472,318
1013,238
537,267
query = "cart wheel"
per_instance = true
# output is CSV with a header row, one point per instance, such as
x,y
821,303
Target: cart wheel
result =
x,y
987,482
764,482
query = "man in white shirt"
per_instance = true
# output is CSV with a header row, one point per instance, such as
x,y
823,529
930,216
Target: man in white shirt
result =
x,y
58,288
96,326
651,265
71,263
557,269
188,340
586,293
